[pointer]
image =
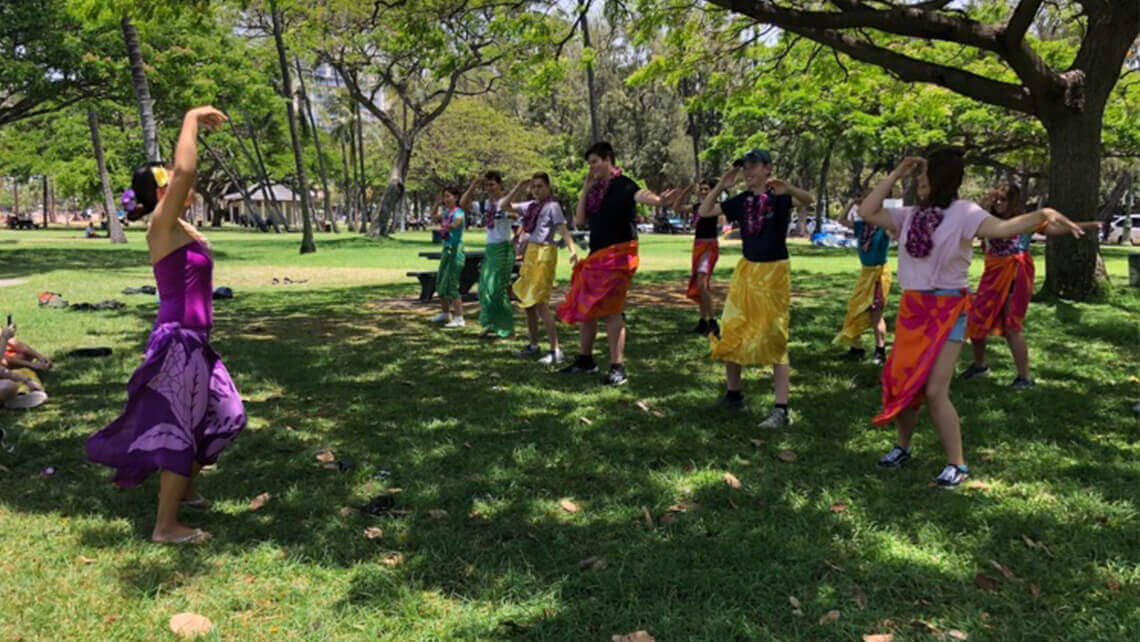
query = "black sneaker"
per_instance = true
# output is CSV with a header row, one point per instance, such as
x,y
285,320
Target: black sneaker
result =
x,y
616,377
724,402
581,365
975,372
1021,383
714,328
895,458
952,476
854,354
702,328
880,356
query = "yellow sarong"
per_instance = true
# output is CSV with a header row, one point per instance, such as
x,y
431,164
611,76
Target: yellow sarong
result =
x,y
31,374
536,276
865,296
754,325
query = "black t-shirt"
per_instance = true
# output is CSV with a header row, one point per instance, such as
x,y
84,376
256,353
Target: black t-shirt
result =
x,y
616,220
770,243
706,227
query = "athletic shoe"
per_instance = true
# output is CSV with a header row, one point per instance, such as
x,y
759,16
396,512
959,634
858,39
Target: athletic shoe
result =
x,y
714,328
1021,383
457,322
581,365
702,328
442,317
724,402
854,354
880,357
895,458
553,357
975,372
778,418
616,377
528,350
952,476
27,400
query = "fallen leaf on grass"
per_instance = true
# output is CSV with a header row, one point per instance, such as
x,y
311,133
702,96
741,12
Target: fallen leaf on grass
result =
x,y
978,485
657,413
467,445
957,635
407,383
643,405
347,511
1112,585
648,517
475,514
985,582
636,636
258,502
190,625
593,561
4,469
586,420
759,443
878,637
326,456
829,617
683,507
330,465
860,597
569,506
833,566
786,456
85,560
392,560
1008,574
437,513
731,480
668,519
372,532
838,507
797,610
1035,590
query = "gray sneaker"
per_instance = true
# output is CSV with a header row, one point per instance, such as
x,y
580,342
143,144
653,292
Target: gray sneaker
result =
x,y
975,372
778,418
1021,383
528,351
895,458
952,477
554,357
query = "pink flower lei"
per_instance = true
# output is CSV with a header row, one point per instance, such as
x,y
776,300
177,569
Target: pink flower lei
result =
x,y
597,192
1004,247
756,211
920,235
530,218
489,216
445,222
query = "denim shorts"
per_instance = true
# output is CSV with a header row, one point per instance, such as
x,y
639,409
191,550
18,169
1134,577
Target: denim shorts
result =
x,y
958,332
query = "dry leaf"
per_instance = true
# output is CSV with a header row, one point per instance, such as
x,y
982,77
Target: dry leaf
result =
x,y
586,420
190,625
796,608
957,635
829,617
475,514
786,456
4,469
347,511
372,532
407,383
467,445
392,560
437,513
683,507
86,560
1035,590
879,637
326,456
860,598
648,517
657,413
978,485
330,465
759,443
592,562
838,507
643,405
261,500
1008,574
636,636
832,565
569,506
1113,585
668,519
731,480
985,582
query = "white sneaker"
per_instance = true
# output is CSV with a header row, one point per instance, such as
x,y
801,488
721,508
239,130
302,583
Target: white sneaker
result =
x,y
457,322
553,357
778,418
442,317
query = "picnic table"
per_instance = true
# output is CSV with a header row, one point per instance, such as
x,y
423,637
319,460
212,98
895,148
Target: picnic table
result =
x,y
468,278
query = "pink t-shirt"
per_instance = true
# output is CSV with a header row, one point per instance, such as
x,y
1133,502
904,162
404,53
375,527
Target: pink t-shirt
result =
x,y
948,265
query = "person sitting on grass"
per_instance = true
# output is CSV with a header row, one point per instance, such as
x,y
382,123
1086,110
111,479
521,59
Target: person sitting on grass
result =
x,y
20,386
451,221
18,354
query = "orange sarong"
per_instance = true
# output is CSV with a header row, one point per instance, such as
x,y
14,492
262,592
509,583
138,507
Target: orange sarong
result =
x,y
922,327
702,248
599,284
1006,278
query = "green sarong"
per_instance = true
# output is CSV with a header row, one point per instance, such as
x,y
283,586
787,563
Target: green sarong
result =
x,y
450,267
495,289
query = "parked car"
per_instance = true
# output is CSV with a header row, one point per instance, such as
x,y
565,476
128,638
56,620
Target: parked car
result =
x,y
829,226
1116,229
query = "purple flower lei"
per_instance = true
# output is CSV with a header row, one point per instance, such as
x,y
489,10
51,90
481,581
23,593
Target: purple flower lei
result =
x,y
489,217
530,219
920,235
867,236
128,201
756,211
1004,247
597,193
445,222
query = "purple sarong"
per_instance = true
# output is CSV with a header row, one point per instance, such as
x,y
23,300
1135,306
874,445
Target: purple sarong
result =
x,y
182,407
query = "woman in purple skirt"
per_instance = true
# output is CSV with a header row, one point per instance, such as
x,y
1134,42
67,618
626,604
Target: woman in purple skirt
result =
x,y
182,407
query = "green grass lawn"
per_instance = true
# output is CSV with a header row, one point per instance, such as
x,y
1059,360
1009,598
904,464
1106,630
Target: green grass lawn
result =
x,y
346,362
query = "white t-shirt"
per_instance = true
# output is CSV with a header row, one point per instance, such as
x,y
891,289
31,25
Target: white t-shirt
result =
x,y
948,264
501,230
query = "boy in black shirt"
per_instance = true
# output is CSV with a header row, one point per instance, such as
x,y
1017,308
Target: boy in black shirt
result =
x,y
599,283
755,321
706,251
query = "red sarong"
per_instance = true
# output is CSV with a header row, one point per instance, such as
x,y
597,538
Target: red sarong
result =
x,y
922,327
1006,278
705,252
599,284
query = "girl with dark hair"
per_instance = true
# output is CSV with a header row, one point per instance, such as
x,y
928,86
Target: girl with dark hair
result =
x,y
542,217
451,219
706,251
495,313
182,407
869,299
935,248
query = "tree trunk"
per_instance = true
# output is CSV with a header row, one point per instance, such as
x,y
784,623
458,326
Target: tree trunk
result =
x,y
113,228
821,192
595,134
347,198
275,214
1074,181
362,192
394,192
307,244
239,182
321,164
1130,206
44,199
142,92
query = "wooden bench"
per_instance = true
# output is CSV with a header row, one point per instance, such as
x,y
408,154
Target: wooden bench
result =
x,y
467,280
427,284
